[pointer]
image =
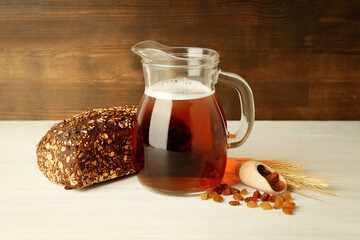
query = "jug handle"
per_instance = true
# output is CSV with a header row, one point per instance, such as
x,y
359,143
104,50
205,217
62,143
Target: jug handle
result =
x,y
247,106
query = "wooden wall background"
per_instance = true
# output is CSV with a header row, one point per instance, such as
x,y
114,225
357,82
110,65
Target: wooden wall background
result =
x,y
61,57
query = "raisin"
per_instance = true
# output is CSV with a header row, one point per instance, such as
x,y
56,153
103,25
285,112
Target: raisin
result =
x,y
218,198
287,211
219,189
252,204
272,198
238,197
275,186
264,172
223,186
248,199
234,203
244,191
257,194
288,205
272,178
281,186
204,196
278,186
265,205
265,197
287,197
226,192
278,202
211,194
234,190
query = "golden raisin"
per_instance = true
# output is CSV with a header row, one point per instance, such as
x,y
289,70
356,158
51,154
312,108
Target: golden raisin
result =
x,y
257,194
234,203
287,197
226,192
265,197
244,191
288,205
248,199
238,197
281,186
287,211
218,198
204,196
278,186
234,190
265,205
252,204
272,198
211,194
278,202
272,178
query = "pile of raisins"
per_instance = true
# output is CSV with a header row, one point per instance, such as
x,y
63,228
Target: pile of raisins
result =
x,y
283,202
272,178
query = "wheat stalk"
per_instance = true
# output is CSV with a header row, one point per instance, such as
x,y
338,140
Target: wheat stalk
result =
x,y
298,181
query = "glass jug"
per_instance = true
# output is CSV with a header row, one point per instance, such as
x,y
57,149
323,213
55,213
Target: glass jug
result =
x,y
180,134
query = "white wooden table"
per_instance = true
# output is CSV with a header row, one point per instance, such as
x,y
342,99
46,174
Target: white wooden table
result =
x,y
31,207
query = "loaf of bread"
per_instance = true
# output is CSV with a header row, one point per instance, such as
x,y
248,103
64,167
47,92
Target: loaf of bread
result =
x,y
91,147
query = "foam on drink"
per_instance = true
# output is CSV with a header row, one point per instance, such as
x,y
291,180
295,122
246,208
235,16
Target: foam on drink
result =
x,y
178,89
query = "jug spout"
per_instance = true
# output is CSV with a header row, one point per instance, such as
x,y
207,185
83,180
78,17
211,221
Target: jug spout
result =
x,y
150,51
141,46
158,54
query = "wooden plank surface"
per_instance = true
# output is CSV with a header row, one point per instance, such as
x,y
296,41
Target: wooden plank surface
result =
x,y
31,207
58,58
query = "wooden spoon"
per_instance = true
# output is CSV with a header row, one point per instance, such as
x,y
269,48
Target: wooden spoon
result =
x,y
250,174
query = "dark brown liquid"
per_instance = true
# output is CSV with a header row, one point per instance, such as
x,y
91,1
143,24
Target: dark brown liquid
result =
x,y
180,146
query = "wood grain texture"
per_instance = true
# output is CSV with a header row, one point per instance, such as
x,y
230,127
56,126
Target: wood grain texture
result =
x,y
58,58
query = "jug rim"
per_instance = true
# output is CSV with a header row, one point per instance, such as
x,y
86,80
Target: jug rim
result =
x,y
157,54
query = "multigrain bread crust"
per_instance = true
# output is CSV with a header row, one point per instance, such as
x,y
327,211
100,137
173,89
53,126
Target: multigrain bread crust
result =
x,y
91,147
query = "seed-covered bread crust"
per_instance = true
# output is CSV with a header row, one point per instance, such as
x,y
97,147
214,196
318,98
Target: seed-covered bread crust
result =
x,y
91,147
